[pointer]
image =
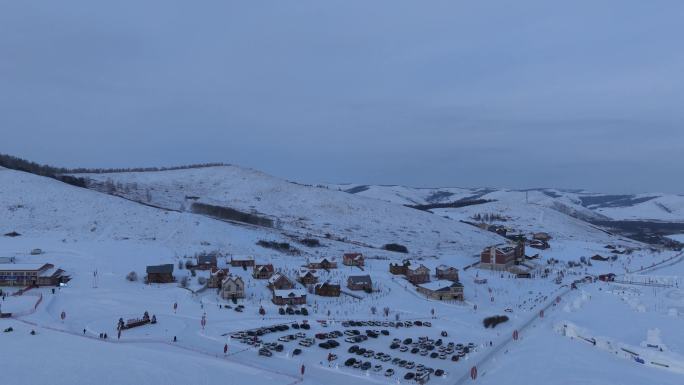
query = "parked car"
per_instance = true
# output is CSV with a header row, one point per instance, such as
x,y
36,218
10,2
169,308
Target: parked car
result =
x,y
350,361
377,368
296,352
366,365
403,348
409,376
265,352
389,372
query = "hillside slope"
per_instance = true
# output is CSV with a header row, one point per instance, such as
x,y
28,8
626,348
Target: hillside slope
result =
x,y
301,209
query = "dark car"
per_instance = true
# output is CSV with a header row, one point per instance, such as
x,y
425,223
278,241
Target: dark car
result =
x,y
415,350
409,376
305,326
296,352
394,346
366,365
353,348
350,362
408,341
324,345
384,332
454,357
295,326
360,351
438,342
434,355
333,343
418,323
439,372
279,348
444,333
265,352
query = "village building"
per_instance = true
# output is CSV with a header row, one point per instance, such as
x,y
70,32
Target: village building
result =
x,y
280,281
31,274
541,236
360,282
501,257
206,262
419,275
446,272
353,259
307,277
262,271
232,287
539,244
398,269
327,290
242,262
323,263
289,297
160,274
216,277
442,290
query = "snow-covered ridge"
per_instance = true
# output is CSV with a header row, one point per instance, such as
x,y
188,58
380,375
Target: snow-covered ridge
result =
x,y
318,211
581,204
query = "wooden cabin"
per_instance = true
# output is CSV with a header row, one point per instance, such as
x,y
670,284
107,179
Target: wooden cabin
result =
x,y
327,290
353,259
447,272
360,282
419,275
160,274
232,287
262,271
289,297
280,282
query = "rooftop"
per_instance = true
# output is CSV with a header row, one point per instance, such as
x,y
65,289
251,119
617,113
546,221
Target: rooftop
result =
x,y
439,285
22,266
289,293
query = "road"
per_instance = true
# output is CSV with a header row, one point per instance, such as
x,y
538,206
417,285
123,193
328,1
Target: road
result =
x,y
484,359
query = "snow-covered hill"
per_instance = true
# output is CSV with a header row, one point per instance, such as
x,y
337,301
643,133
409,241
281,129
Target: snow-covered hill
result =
x,y
301,209
581,204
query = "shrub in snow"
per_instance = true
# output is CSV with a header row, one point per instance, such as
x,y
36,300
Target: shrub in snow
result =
x,y
395,247
201,280
491,322
132,276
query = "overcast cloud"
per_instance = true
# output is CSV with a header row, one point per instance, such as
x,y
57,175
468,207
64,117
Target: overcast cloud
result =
x,y
576,94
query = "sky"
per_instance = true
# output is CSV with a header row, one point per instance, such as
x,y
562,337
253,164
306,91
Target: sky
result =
x,y
512,94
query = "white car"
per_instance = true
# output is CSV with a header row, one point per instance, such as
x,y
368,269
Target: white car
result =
x,y
389,372
377,368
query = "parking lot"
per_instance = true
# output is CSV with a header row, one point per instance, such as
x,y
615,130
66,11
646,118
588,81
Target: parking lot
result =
x,y
408,351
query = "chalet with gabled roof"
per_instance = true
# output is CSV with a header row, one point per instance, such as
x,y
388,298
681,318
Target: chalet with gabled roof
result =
x,y
419,275
307,277
279,281
232,287
160,274
353,259
323,263
447,272
289,297
442,290
327,290
216,277
263,271
360,282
